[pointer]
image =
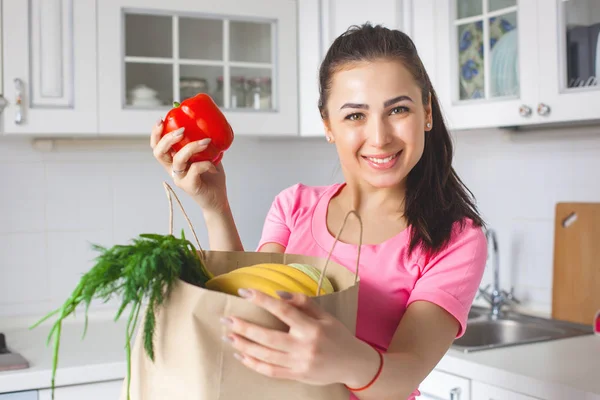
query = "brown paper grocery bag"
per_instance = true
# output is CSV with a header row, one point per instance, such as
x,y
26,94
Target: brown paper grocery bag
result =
x,y
191,360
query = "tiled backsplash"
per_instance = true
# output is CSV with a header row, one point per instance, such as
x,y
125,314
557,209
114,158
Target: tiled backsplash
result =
x,y
54,204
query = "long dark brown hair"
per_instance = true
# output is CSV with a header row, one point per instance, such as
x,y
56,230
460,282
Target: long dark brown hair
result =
x,y
436,198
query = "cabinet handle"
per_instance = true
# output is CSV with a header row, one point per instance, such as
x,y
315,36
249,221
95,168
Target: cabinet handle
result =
x,y
525,111
543,109
455,393
19,115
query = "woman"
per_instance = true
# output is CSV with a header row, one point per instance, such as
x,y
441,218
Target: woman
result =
x,y
423,251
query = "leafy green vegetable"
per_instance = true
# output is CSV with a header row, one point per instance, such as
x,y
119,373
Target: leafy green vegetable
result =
x,y
144,269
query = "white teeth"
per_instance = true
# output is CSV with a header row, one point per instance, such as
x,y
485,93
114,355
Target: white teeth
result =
x,y
382,160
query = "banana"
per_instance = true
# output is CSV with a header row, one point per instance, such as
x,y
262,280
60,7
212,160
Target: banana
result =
x,y
230,283
292,272
294,280
314,273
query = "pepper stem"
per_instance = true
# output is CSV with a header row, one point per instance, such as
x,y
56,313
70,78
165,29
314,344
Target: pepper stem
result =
x,y
176,104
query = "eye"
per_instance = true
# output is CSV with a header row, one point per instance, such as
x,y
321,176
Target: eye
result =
x,y
399,109
354,116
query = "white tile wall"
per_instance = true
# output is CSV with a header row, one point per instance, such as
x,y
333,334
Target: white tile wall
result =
x,y
518,178
53,205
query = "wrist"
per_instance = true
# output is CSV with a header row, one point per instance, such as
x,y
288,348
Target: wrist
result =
x,y
217,213
366,370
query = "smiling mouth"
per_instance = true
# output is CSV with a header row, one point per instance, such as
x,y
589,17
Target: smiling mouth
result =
x,y
382,160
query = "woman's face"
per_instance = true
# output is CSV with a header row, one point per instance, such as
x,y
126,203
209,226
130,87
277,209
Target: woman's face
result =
x,y
377,120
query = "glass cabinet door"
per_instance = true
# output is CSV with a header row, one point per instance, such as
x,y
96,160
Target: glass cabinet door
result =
x,y
580,50
487,49
490,57
241,54
570,53
171,58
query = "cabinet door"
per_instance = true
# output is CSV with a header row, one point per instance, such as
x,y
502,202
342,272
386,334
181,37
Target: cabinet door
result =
x,y
482,391
440,385
154,52
570,53
487,62
49,53
110,390
310,53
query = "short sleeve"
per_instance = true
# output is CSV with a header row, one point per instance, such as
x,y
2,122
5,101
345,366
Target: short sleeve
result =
x,y
451,279
276,228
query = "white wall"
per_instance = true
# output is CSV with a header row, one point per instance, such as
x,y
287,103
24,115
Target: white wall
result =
x,y
53,204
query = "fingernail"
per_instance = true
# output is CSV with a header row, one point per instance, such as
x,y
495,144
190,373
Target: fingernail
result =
x,y
178,132
227,339
245,293
238,356
284,295
159,121
204,141
226,321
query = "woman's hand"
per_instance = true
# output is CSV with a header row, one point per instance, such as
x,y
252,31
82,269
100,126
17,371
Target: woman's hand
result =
x,y
317,349
203,181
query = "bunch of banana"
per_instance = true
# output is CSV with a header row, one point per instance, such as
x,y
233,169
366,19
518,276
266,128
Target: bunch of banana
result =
x,y
271,277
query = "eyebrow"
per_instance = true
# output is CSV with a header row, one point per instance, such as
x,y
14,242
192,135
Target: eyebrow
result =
x,y
387,103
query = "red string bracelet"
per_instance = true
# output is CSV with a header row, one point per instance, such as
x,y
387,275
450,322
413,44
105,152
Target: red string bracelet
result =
x,y
368,385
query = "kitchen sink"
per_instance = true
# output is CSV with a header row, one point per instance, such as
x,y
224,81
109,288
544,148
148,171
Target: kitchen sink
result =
x,y
511,328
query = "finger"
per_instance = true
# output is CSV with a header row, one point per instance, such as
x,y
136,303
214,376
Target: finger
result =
x,y
258,351
270,370
200,167
286,312
182,157
271,338
156,133
162,150
303,302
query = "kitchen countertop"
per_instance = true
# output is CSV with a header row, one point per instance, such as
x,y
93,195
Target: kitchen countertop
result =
x,y
99,356
559,369
548,370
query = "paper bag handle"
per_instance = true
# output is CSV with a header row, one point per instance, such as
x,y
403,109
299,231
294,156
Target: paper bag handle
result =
x,y
337,237
170,191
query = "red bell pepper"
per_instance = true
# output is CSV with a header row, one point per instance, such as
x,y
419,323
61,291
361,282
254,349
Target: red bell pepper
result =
x,y
201,118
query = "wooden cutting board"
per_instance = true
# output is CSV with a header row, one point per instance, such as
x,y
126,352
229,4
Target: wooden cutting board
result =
x,y
576,275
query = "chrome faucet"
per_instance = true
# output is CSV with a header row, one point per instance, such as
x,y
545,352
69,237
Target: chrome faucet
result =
x,y
498,297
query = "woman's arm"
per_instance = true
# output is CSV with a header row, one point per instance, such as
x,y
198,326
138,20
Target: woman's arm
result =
x,y
272,248
423,337
436,314
222,231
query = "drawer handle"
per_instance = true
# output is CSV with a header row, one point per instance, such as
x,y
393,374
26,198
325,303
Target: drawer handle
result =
x,y
455,394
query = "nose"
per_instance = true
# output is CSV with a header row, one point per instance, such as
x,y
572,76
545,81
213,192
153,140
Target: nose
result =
x,y
381,132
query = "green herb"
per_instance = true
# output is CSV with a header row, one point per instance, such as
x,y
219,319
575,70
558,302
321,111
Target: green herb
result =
x,y
145,269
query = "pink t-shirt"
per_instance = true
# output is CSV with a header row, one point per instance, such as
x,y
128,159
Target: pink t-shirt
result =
x,y
390,280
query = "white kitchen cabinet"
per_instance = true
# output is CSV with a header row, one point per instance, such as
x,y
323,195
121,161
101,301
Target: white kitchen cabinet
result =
x,y
483,391
439,385
154,52
320,22
49,66
109,390
506,63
